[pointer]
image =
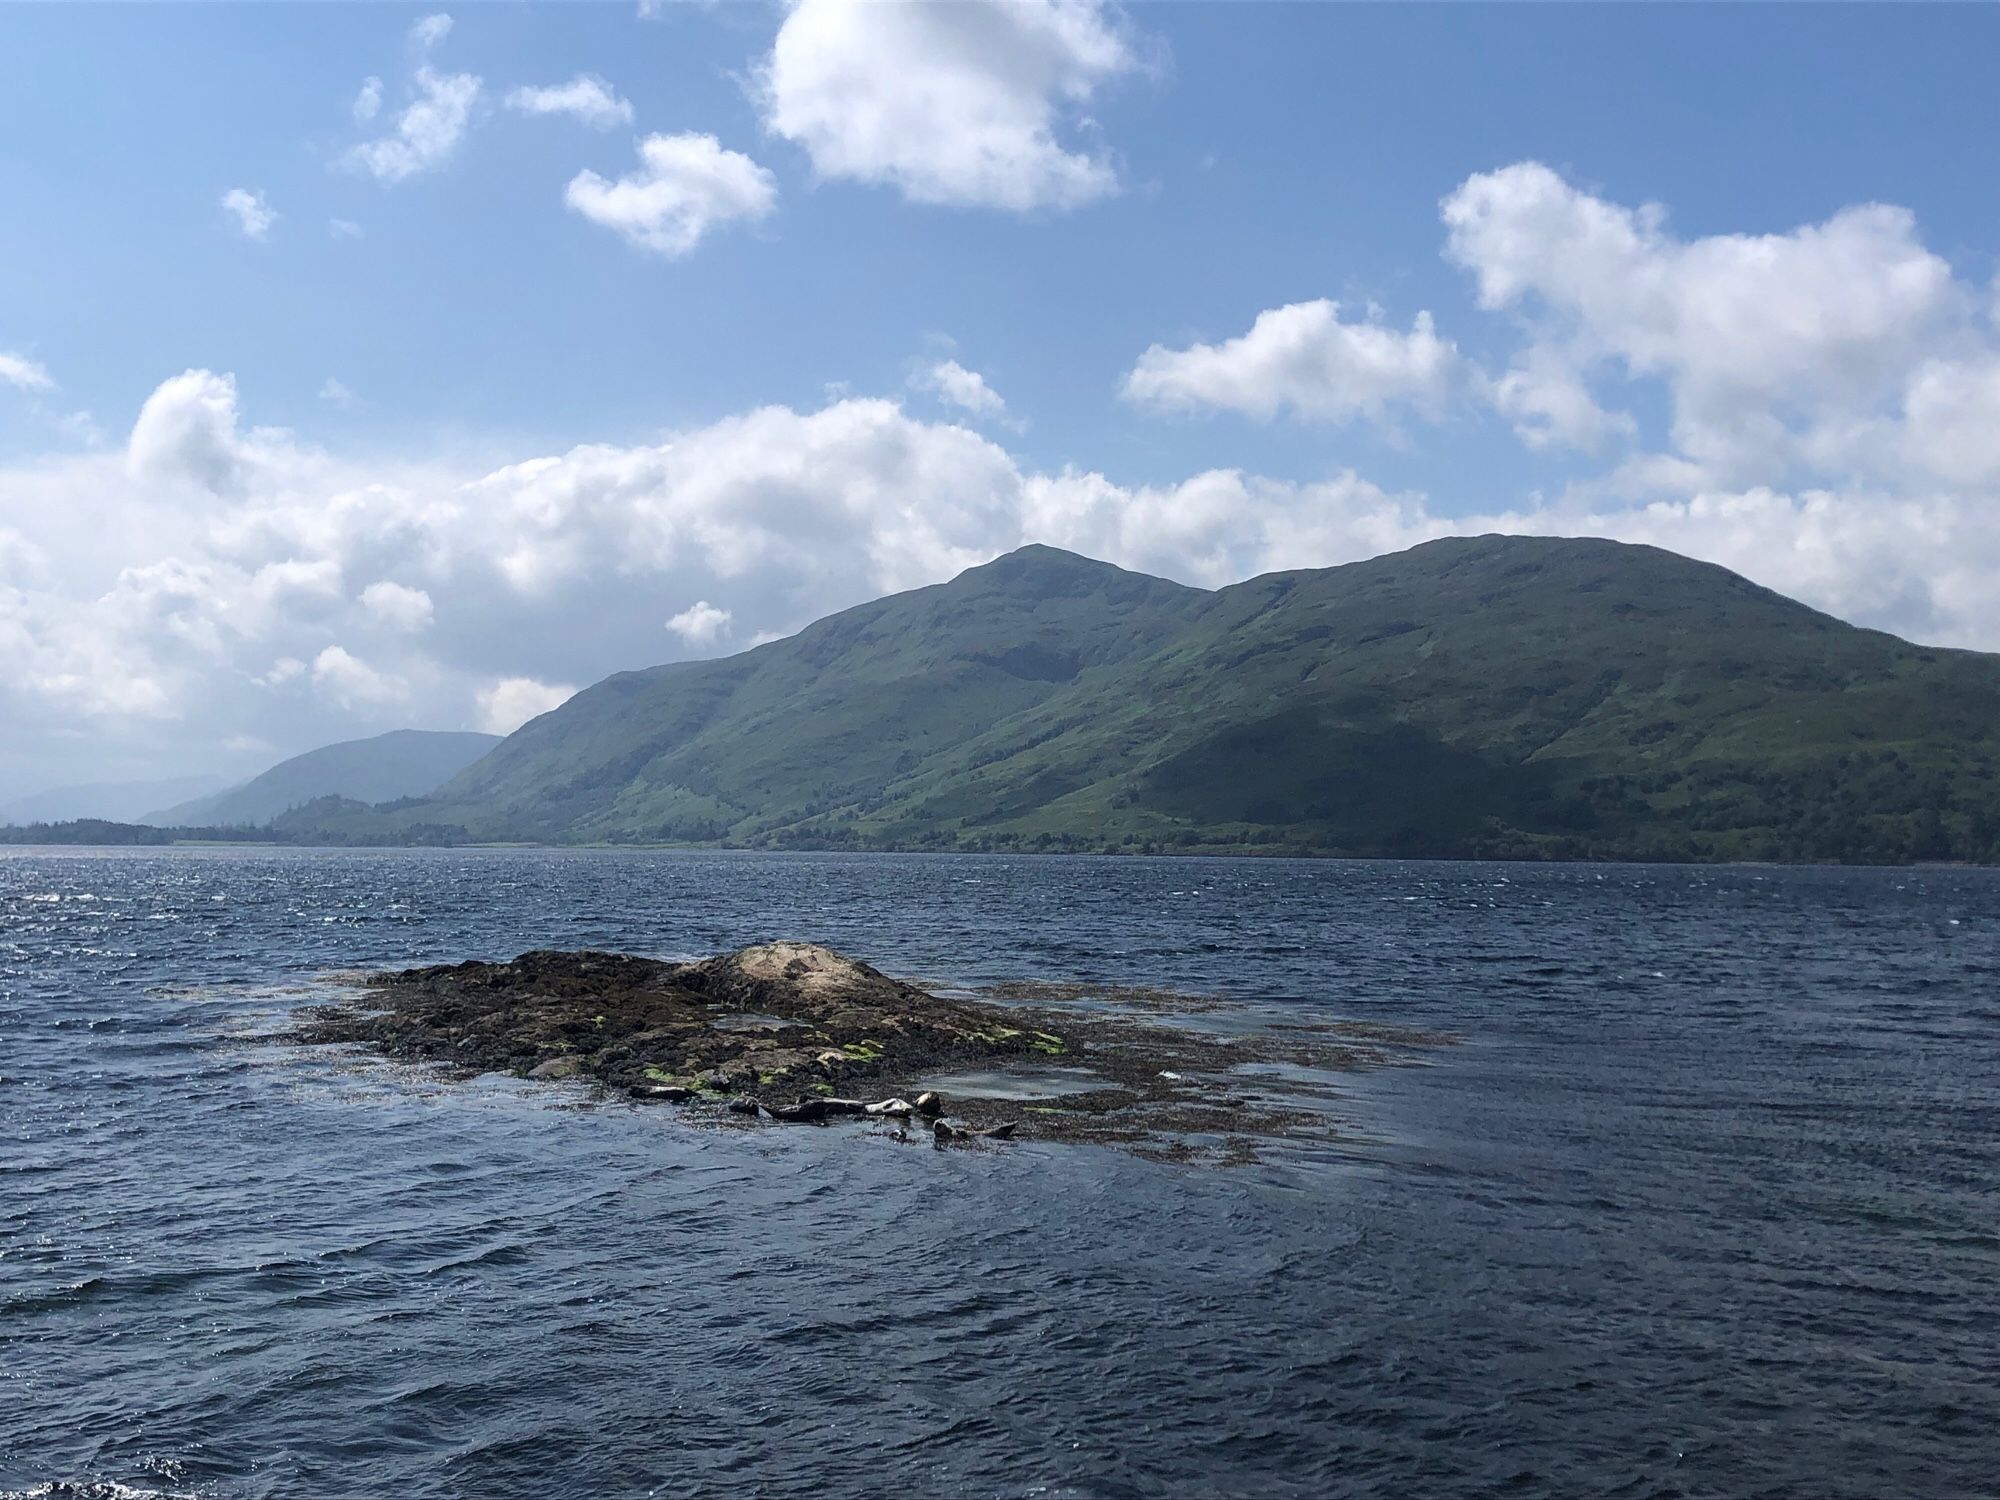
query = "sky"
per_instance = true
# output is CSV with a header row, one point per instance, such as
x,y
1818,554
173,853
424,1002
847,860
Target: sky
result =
x,y
367,367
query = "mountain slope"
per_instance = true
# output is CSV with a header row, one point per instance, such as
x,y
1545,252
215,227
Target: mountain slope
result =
x,y
112,801
827,718
1494,695
402,763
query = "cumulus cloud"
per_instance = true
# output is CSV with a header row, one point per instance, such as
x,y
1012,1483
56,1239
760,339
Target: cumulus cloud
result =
x,y
1306,360
254,216
1550,404
24,374
335,392
427,132
700,624
585,97
685,186
957,386
367,101
351,682
397,606
954,103
186,434
510,702
1776,350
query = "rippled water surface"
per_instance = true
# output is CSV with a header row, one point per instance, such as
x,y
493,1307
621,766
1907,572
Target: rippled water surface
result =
x,y
1705,1204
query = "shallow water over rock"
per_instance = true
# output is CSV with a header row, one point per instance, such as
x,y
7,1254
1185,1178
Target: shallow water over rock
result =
x,y
1702,1204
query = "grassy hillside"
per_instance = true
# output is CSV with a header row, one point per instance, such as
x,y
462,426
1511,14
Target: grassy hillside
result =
x,y
402,763
1497,695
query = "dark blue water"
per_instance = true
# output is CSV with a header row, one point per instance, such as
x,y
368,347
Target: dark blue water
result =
x,y
1705,1204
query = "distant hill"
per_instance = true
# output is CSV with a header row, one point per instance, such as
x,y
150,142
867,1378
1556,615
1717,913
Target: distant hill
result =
x,y
402,763
112,801
1492,696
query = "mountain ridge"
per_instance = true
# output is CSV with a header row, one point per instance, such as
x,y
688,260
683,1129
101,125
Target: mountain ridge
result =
x,y
378,768
1545,697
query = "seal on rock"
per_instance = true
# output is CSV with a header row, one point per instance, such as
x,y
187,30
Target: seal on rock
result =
x,y
669,1093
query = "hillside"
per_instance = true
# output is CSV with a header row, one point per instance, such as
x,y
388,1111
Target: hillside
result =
x,y
402,763
114,801
1482,696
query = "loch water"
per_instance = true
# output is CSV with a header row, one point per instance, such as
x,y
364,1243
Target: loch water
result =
x,y
1705,1201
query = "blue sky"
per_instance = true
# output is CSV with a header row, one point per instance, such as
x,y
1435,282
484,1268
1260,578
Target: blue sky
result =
x,y
436,432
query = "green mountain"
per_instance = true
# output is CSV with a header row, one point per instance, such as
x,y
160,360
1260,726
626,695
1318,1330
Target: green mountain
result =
x,y
1477,696
402,763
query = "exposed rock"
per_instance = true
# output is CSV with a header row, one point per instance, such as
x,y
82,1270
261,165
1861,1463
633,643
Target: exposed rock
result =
x,y
828,1028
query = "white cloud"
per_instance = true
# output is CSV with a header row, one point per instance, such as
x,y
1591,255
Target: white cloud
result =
x,y
254,215
397,606
344,229
1773,347
368,101
955,385
1550,404
701,623
510,702
428,131
23,373
955,103
1304,359
1951,421
351,682
430,31
586,97
335,393
685,186
186,433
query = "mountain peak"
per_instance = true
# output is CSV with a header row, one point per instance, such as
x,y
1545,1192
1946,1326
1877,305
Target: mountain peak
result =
x,y
1040,569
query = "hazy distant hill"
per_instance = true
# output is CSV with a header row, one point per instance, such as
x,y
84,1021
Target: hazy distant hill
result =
x,y
402,763
113,801
1494,695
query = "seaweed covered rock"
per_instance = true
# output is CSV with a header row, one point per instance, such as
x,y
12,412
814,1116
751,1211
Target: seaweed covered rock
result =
x,y
782,1018
798,1034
